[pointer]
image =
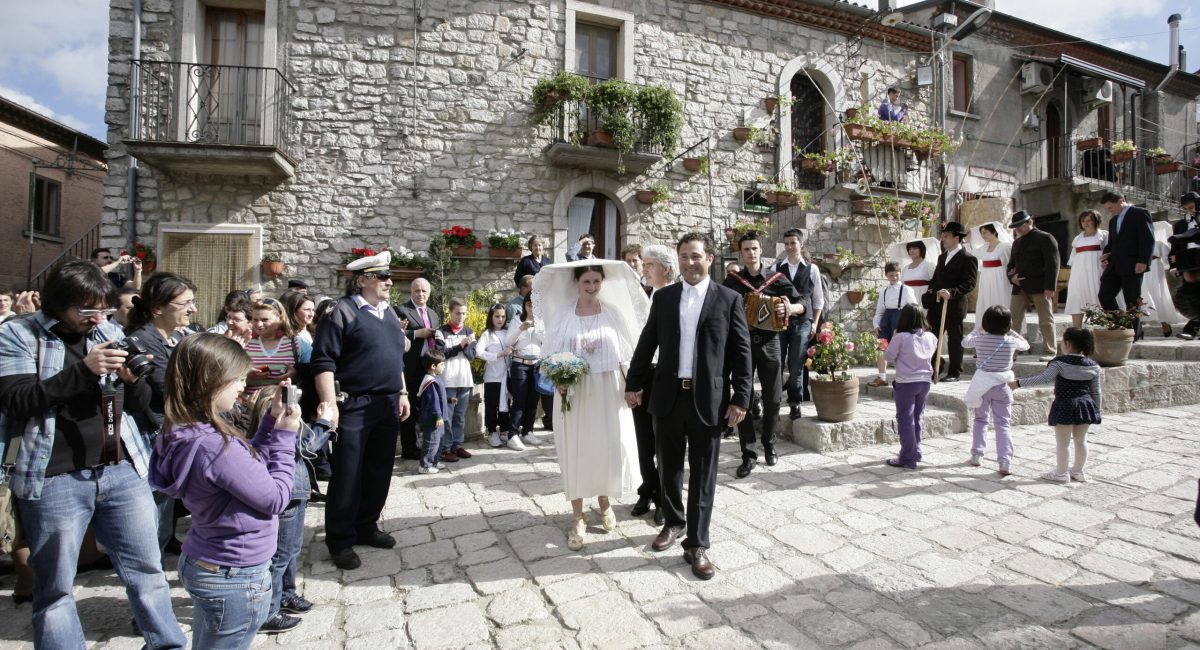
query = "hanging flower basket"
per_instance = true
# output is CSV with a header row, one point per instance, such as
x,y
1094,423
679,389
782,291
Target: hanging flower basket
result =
x,y
741,134
862,206
601,139
1123,156
465,251
691,164
851,113
861,132
1168,167
645,197
1089,144
504,252
814,165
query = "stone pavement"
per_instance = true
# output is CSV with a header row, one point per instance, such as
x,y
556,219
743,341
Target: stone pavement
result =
x,y
831,550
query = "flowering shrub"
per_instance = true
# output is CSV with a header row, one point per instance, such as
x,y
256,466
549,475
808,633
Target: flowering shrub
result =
x,y
356,253
1116,319
509,238
461,236
835,352
744,225
141,251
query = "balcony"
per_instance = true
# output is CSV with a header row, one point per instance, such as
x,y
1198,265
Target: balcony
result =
x,y
1091,167
220,120
874,168
574,141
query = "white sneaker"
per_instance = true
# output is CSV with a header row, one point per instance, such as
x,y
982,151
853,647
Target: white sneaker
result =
x,y
1079,477
514,443
1055,477
532,440
494,439
440,465
976,460
427,470
1003,469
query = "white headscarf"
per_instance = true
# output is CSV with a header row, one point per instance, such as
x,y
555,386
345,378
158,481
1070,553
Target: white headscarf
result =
x,y
621,294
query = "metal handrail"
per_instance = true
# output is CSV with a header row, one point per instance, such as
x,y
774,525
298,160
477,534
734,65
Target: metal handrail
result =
x,y
1059,157
80,249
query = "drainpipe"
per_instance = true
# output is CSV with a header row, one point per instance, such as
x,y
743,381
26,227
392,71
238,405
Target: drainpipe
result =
x,y
134,101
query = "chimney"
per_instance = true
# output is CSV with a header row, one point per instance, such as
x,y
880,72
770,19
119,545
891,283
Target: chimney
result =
x,y
1173,53
887,6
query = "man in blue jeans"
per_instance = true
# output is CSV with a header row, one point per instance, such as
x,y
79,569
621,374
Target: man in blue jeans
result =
x,y
66,396
806,277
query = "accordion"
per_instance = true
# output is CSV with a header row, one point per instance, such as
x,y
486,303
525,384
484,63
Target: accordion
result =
x,y
762,312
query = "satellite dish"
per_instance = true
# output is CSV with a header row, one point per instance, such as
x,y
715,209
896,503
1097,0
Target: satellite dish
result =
x,y
892,18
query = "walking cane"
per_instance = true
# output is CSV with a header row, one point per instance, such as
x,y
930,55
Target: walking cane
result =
x,y
937,359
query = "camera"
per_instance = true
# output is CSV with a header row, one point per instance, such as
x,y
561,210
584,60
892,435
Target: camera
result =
x,y
291,395
136,362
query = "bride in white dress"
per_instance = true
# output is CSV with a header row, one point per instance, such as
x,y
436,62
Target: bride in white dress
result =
x,y
1083,288
1154,283
993,247
594,309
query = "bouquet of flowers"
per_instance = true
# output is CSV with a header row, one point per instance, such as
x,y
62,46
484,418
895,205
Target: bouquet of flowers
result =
x,y
564,369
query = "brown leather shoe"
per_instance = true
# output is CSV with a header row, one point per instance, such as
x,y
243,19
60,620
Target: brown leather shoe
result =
x,y
702,567
666,538
462,453
877,382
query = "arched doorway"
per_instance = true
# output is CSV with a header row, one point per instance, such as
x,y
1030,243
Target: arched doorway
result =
x,y
808,128
599,215
1056,139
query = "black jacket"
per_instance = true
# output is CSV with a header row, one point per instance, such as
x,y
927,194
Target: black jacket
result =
x,y
722,354
958,277
1034,258
1178,257
1132,244
412,358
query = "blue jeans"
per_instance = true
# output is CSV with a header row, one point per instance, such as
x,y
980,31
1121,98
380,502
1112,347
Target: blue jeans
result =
x,y
117,503
229,604
457,419
287,550
432,447
794,343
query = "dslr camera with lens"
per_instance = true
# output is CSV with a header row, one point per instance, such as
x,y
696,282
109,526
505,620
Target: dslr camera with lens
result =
x,y
136,362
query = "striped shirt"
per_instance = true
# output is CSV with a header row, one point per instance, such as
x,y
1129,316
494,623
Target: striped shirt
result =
x,y
277,361
994,353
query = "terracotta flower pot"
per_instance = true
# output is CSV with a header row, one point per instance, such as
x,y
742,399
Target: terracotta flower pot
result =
x,y
771,104
645,197
148,267
1112,347
552,98
851,113
601,138
406,272
273,269
836,401
1168,167
691,164
1089,143
854,297
504,252
1123,156
741,134
862,206
463,251
861,132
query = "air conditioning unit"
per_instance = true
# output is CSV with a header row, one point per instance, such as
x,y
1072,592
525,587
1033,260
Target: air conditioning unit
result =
x,y
1097,93
1035,77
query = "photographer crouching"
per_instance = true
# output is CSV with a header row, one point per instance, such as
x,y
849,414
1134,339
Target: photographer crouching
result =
x,y
68,390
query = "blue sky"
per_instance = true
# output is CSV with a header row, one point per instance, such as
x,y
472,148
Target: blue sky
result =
x,y
53,53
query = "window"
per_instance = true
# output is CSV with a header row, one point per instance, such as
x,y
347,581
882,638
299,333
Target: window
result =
x,y
963,74
230,96
599,41
591,212
596,50
47,201
211,256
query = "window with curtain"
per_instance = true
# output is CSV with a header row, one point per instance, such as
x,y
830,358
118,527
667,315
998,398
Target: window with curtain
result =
x,y
217,262
594,213
231,97
596,50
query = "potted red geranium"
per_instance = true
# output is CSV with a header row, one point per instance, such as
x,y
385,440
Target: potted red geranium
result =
x,y
461,240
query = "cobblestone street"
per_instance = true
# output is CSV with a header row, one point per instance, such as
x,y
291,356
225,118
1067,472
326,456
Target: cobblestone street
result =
x,y
831,550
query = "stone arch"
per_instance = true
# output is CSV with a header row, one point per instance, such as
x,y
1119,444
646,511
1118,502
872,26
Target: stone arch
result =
x,y
832,87
595,181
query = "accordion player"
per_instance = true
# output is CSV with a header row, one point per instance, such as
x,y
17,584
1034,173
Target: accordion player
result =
x,y
762,312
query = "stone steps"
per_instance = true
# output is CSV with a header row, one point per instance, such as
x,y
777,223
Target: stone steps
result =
x,y
874,423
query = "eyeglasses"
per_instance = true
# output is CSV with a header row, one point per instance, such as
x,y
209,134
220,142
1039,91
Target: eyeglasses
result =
x,y
185,303
92,313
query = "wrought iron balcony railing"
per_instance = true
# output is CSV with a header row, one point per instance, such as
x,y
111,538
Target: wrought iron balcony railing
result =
x,y
211,104
1066,157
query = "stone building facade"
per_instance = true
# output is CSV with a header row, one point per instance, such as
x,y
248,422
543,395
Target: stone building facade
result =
x,y
380,123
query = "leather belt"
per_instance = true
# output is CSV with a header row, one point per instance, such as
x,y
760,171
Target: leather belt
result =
x,y
209,566
763,338
685,384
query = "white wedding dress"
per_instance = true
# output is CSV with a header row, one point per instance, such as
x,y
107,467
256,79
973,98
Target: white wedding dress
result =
x,y
597,450
994,287
1083,289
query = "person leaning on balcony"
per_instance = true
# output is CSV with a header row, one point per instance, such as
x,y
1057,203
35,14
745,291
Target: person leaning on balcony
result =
x,y
1182,253
1033,271
584,249
890,110
531,263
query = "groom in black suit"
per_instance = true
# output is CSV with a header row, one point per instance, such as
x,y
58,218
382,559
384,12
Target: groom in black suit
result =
x,y
699,329
954,277
1126,255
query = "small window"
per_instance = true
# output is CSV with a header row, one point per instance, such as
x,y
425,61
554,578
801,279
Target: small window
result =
x,y
963,77
596,50
47,202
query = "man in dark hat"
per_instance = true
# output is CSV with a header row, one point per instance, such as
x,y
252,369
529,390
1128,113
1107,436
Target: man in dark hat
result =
x,y
1185,256
361,344
297,285
954,277
1033,272
1126,255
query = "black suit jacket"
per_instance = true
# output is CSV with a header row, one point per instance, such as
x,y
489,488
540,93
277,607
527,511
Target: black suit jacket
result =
x,y
412,358
722,355
1035,258
1132,244
1178,256
959,278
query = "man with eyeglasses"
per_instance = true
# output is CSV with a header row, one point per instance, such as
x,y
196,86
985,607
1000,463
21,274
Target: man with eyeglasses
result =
x,y
67,399
361,345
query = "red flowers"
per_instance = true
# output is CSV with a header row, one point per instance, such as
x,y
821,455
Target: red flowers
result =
x,y
362,252
883,345
825,337
461,236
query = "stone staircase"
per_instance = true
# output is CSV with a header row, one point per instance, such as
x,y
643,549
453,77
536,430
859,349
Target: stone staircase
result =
x,y
1161,372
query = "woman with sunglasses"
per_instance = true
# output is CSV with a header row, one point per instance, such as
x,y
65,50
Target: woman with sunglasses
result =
x,y
158,322
274,350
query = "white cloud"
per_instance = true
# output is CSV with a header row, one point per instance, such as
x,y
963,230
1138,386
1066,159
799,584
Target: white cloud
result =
x,y
18,97
66,40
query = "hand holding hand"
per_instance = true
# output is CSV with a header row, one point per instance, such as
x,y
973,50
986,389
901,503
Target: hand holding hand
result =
x,y
1050,294
328,411
1014,384
633,399
1140,268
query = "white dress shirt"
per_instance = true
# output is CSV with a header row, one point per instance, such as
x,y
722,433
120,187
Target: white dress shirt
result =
x,y
951,253
690,305
377,311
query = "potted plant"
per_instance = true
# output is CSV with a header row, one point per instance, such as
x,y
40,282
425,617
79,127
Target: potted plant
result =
x,y
855,295
1155,154
862,124
612,102
1167,166
1123,150
272,265
834,390
930,142
549,93
461,240
826,162
505,242
743,225
774,101
742,133
406,264
355,253
697,164
1088,144
846,257
1113,331
657,194
145,254
781,194
761,137
661,117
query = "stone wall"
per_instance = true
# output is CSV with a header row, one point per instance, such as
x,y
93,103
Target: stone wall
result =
x,y
377,165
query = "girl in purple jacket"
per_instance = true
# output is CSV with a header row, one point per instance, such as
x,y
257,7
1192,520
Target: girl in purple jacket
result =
x,y
234,488
909,351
